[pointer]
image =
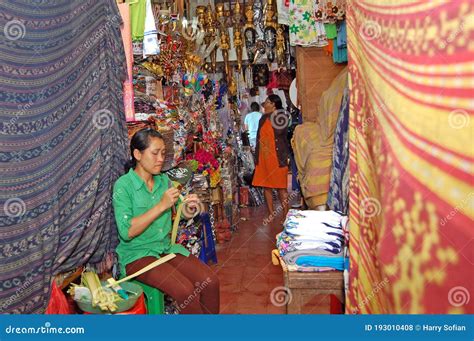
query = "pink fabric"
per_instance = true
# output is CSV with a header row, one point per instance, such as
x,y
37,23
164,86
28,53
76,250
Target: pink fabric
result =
x,y
127,44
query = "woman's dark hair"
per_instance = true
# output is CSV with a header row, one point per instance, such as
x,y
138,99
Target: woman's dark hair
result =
x,y
275,99
141,141
255,106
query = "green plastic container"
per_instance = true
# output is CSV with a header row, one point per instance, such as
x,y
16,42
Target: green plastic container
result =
x,y
134,291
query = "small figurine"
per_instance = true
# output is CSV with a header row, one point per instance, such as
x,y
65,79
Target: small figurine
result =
x,y
211,30
238,44
249,15
220,14
232,87
237,14
270,14
280,47
225,46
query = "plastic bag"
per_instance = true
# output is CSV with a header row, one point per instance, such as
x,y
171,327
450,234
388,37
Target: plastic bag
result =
x,y
58,303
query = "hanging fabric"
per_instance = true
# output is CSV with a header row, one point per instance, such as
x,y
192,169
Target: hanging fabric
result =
x,y
338,196
411,158
329,11
314,159
340,48
151,45
304,29
65,148
126,32
137,16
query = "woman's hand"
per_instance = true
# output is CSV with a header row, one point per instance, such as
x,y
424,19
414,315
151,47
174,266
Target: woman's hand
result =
x,y
170,197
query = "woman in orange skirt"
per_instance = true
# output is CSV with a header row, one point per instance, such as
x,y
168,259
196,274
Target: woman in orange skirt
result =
x,y
271,153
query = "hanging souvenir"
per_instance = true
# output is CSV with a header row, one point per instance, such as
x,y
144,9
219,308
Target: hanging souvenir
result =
x,y
238,45
260,75
151,45
225,46
270,30
193,83
258,19
224,36
260,47
238,42
211,30
250,33
270,35
280,47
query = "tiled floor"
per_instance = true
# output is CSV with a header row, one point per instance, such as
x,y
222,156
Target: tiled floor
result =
x,y
245,268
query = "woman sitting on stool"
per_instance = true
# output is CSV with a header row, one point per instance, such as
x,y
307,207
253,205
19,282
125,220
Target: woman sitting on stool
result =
x,y
142,200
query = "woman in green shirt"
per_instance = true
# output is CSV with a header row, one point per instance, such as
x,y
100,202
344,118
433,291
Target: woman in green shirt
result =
x,y
142,200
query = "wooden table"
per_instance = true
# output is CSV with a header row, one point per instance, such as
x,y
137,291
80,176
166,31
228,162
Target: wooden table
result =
x,y
306,285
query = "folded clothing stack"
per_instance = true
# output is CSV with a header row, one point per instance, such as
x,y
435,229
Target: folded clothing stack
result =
x,y
312,241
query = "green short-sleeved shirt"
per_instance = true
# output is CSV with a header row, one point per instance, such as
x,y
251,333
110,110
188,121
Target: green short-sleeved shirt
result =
x,y
132,198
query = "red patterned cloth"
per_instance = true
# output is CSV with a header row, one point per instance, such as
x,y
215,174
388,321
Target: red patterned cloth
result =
x,y
411,157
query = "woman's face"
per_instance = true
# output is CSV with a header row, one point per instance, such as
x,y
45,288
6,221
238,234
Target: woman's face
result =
x,y
152,158
268,106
